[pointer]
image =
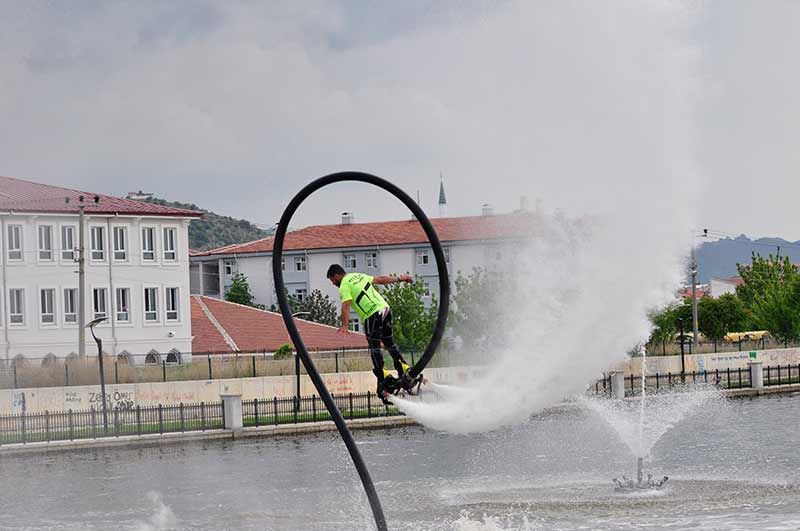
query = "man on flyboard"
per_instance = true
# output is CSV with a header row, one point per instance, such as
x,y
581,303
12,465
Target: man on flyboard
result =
x,y
357,291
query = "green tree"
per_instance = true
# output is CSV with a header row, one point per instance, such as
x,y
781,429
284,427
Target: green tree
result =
x,y
283,352
320,308
412,322
666,323
717,317
476,312
239,291
770,292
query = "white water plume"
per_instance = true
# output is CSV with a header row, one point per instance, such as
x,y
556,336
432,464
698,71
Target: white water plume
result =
x,y
585,280
162,518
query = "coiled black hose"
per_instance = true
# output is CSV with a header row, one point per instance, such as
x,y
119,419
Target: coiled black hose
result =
x,y
283,302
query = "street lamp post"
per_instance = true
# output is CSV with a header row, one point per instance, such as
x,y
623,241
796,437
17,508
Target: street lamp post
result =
x,y
683,362
297,368
99,342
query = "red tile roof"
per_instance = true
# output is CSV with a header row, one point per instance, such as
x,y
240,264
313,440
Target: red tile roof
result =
x,y
26,196
254,330
736,281
390,233
702,291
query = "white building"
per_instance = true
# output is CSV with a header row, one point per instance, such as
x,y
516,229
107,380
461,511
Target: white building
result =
x,y
137,275
392,247
721,286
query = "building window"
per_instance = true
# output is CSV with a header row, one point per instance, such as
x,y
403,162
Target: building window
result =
x,y
354,325
120,243
45,242
99,302
15,242
98,243
228,268
172,304
350,261
283,263
47,298
371,260
300,294
496,254
67,242
16,306
423,257
122,300
70,305
427,289
151,304
152,357
148,244
299,263
446,255
170,247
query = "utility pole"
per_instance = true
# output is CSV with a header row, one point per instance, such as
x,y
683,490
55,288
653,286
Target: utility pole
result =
x,y
81,282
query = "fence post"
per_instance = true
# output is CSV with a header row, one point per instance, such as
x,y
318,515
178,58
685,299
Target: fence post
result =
x,y
183,426
160,419
69,419
164,370
116,422
47,425
94,424
255,410
336,354
202,416
254,365
138,420
313,408
14,364
350,400
116,373
275,409
209,367
729,378
24,430
66,374
369,403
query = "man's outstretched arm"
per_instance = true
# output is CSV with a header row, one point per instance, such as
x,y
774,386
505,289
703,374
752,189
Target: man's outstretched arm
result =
x,y
379,280
345,317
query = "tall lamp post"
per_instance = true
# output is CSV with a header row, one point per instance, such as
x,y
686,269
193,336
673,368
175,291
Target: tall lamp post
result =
x,y
297,368
683,363
99,342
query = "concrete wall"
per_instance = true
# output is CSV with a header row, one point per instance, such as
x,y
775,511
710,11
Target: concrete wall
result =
x,y
711,362
128,396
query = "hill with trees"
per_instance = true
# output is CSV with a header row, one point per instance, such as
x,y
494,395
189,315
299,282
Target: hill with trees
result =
x,y
213,230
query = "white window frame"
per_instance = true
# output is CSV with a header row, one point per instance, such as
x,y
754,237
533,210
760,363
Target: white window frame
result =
x,y
300,264
170,253
20,312
355,324
423,257
154,311
126,312
177,309
301,294
93,242
74,300
283,263
120,254
446,251
152,252
350,261
53,304
68,254
371,260
15,243
95,313
228,265
45,253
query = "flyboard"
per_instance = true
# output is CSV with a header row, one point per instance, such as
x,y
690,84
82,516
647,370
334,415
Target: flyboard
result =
x,y
412,374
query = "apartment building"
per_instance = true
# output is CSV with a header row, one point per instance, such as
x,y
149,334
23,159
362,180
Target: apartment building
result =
x,y
136,275
488,241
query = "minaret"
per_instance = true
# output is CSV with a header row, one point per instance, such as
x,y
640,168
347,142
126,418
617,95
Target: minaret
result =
x,y
442,198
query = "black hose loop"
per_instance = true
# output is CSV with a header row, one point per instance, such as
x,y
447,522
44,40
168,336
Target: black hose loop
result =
x,y
283,303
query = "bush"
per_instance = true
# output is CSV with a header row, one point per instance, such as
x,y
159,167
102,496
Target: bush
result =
x,y
284,352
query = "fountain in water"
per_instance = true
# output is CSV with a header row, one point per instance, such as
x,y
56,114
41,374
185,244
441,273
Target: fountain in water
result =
x,y
641,425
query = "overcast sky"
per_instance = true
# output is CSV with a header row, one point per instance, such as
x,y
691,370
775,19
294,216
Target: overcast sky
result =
x,y
235,106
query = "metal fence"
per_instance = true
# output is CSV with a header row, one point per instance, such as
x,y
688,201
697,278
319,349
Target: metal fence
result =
x,y
89,424
735,378
64,372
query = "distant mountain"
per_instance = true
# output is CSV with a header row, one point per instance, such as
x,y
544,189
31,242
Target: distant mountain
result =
x,y
213,230
718,259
